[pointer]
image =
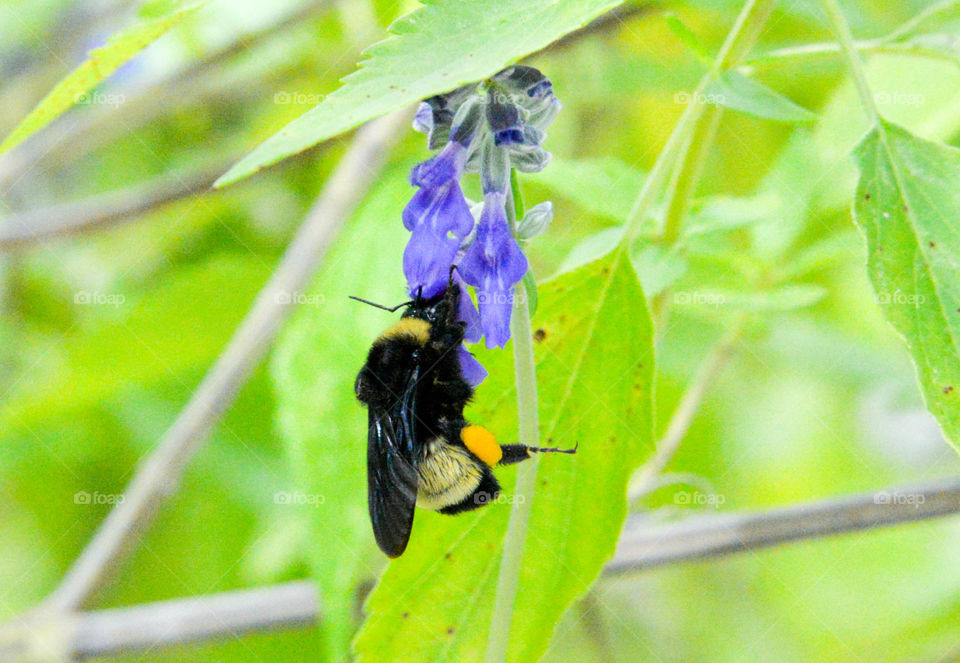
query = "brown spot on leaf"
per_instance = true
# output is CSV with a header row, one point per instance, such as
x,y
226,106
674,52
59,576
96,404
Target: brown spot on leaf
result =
x,y
933,245
948,389
405,615
539,335
449,630
866,196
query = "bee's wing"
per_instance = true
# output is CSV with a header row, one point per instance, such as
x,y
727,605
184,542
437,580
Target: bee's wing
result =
x,y
392,476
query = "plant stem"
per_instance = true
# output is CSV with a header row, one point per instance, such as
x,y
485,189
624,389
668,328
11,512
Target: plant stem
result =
x,y
691,400
679,145
529,434
842,30
683,184
821,50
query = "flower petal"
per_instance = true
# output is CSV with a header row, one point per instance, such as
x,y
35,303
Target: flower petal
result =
x,y
493,264
427,259
445,166
495,310
423,120
443,208
473,371
467,312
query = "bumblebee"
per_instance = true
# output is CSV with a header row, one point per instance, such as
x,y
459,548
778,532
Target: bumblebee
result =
x,y
420,450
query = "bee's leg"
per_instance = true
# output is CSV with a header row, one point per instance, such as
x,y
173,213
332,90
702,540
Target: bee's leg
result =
x,y
515,453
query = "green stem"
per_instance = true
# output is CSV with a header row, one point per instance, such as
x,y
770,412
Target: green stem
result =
x,y
744,32
529,434
810,51
842,30
683,184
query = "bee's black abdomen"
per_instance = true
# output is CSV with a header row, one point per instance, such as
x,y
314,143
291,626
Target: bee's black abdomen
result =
x,y
486,492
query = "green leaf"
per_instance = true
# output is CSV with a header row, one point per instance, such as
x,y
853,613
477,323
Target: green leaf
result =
x,y
726,213
180,326
734,90
434,49
825,253
100,63
935,17
907,206
784,298
595,371
324,429
687,36
604,186
592,247
658,267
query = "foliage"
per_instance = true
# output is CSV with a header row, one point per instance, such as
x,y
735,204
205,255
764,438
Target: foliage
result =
x,y
830,238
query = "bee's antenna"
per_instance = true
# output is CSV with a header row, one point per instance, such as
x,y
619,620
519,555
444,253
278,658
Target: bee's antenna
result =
x,y
554,449
381,306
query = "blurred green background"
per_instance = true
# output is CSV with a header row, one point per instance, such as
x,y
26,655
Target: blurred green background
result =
x,y
104,335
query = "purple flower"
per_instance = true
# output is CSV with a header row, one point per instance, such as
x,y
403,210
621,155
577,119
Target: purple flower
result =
x,y
494,264
473,371
439,218
487,128
467,312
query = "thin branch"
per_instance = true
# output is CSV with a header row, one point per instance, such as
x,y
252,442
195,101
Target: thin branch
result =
x,y
684,414
23,228
166,623
643,545
841,28
160,473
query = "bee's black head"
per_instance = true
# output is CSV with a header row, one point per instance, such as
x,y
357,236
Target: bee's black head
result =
x,y
439,310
